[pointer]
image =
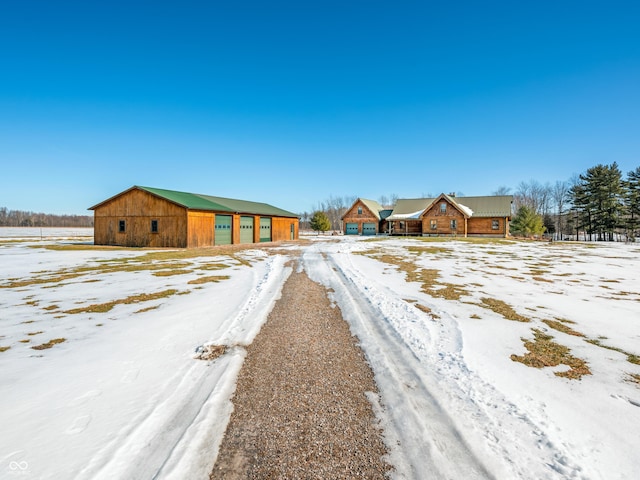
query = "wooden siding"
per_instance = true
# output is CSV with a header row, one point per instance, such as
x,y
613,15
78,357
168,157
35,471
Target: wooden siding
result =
x,y
281,228
177,226
201,229
138,208
352,216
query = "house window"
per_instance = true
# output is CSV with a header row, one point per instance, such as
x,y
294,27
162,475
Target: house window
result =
x,y
359,210
454,224
443,207
122,226
434,224
154,226
495,224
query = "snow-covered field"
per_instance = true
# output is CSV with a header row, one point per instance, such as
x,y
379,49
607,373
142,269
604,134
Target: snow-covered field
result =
x,y
119,394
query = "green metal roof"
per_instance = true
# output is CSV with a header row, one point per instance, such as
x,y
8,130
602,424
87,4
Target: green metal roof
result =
x,y
195,201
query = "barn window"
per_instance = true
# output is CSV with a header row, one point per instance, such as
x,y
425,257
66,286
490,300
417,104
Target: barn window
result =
x,y
122,226
154,226
434,224
443,207
495,224
454,224
359,210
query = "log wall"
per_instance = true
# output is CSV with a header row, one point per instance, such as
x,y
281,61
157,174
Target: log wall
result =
x,y
484,227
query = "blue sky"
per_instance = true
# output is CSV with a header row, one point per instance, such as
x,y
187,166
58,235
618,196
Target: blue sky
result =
x,y
290,102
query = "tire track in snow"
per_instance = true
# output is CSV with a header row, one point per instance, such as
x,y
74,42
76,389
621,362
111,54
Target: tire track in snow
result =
x,y
435,449
142,449
393,336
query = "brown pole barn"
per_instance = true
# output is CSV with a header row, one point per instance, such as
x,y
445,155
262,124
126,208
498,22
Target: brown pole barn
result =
x,y
154,217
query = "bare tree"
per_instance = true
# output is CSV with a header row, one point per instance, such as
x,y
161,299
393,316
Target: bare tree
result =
x,y
502,190
560,195
534,195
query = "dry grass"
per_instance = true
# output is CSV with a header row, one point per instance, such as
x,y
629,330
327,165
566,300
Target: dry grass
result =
x,y
4,349
212,278
561,327
504,309
427,310
542,279
210,352
428,277
543,352
31,334
631,357
105,307
633,378
142,310
429,250
49,344
170,273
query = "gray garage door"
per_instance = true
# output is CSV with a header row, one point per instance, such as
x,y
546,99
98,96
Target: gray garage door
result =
x,y
265,229
246,229
351,229
223,229
369,229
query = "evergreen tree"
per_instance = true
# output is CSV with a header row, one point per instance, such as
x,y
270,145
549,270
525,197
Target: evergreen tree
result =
x,y
632,203
527,222
320,222
597,200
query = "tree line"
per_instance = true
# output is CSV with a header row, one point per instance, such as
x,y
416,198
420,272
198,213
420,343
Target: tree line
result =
x,y
21,218
601,204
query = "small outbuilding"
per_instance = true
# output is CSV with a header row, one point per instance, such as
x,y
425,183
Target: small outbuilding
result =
x,y
154,217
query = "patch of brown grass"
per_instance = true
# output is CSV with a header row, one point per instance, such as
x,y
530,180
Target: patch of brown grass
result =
x,y
502,308
169,273
142,310
561,327
633,378
428,277
543,352
210,352
105,307
4,349
31,334
49,344
210,279
429,250
542,279
213,266
51,307
427,310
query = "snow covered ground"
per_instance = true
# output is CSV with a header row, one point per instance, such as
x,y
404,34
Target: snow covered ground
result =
x,y
123,397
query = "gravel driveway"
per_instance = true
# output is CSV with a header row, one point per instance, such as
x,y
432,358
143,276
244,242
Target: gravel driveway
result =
x,y
300,409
